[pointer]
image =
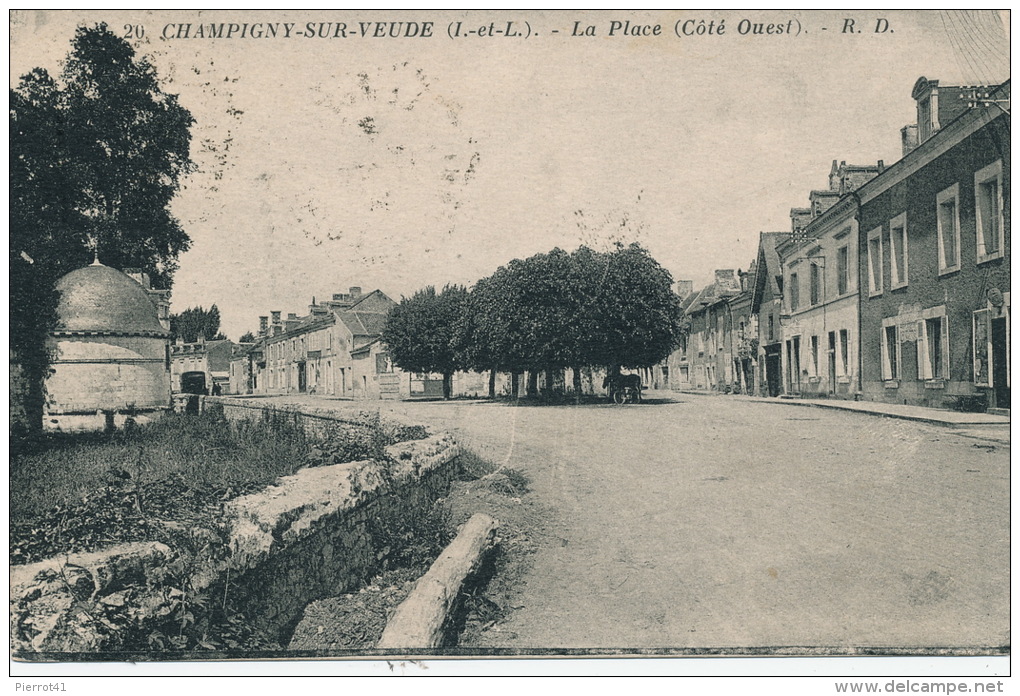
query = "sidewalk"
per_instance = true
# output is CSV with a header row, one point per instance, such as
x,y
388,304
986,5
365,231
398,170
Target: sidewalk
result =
x,y
953,419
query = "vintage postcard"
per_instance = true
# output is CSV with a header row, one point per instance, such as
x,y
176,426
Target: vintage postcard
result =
x,y
511,335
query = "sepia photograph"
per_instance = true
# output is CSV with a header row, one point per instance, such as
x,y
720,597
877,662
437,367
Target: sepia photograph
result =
x,y
509,342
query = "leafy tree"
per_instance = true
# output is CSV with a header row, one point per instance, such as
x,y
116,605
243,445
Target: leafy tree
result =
x,y
248,337
95,159
582,309
634,318
194,322
422,332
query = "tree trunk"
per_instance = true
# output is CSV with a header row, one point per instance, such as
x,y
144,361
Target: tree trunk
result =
x,y
550,379
532,383
577,384
447,385
492,384
515,385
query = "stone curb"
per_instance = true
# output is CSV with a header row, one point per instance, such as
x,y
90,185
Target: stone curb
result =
x,y
835,405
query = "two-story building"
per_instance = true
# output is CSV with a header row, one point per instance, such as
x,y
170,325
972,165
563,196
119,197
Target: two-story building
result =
x,y
210,359
820,318
334,349
710,347
935,255
767,308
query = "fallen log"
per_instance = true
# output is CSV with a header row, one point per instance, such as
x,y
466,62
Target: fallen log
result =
x,y
418,621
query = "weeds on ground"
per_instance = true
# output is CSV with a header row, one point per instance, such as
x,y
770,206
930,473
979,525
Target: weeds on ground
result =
x,y
79,492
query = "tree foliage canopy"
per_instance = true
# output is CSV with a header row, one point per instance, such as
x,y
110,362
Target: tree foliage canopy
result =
x,y
578,309
420,331
194,322
555,310
96,159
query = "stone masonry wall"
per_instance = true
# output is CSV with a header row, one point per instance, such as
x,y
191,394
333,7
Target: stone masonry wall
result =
x,y
318,533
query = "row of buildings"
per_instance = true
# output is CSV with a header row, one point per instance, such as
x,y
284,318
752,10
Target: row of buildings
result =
x,y
893,284
336,349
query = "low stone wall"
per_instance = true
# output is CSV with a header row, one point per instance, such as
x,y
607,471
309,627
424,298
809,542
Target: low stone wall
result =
x,y
315,534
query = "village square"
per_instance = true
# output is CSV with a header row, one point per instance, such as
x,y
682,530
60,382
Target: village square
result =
x,y
798,444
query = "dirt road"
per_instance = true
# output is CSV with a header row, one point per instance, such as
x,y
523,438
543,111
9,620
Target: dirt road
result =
x,y
713,522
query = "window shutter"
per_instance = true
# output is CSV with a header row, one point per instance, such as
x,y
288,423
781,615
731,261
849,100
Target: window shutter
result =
x,y
886,365
923,365
945,349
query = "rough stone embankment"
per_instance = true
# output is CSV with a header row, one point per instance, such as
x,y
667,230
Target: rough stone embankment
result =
x,y
315,534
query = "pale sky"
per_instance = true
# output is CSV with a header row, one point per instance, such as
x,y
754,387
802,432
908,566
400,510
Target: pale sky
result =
x,y
395,163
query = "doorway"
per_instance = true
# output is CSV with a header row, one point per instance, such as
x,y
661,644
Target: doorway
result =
x,y
1000,367
774,369
832,362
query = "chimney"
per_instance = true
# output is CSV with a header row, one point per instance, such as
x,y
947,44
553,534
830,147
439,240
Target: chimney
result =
x,y
822,201
276,317
684,288
355,292
291,316
263,326
799,218
908,138
726,278
339,297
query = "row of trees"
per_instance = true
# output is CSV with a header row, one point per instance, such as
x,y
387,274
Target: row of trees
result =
x,y
96,155
579,309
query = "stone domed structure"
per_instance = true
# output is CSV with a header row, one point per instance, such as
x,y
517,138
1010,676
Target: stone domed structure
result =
x,y
111,350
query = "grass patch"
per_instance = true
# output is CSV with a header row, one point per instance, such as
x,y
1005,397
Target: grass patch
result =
x,y
74,492
205,454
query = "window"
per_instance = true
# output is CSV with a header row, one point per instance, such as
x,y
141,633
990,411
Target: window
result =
x,y
843,363
843,270
890,352
816,284
898,247
983,348
949,229
933,345
794,293
924,120
772,328
875,262
814,356
988,205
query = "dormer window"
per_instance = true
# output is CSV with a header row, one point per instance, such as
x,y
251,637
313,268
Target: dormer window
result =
x,y
926,94
924,122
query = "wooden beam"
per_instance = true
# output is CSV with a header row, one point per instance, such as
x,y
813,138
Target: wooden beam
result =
x,y
418,621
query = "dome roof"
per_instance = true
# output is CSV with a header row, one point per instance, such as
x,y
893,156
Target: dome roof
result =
x,y
100,298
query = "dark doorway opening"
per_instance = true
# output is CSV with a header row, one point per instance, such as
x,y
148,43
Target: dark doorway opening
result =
x,y
1000,367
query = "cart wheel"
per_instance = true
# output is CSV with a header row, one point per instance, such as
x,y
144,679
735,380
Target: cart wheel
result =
x,y
620,396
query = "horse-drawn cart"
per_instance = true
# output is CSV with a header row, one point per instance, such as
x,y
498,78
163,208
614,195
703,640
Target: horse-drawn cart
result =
x,y
623,389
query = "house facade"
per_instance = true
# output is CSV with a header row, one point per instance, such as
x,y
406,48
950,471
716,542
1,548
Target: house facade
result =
x,y
710,346
333,350
820,355
767,307
211,358
934,248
